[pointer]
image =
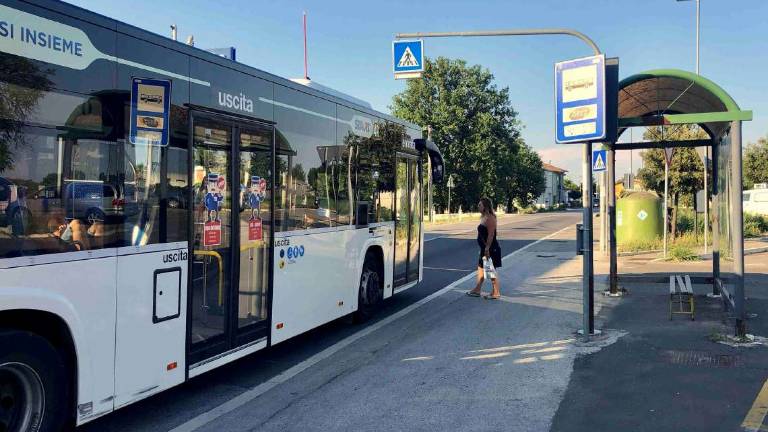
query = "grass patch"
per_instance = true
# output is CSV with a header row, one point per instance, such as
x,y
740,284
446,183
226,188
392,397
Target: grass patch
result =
x,y
639,245
681,253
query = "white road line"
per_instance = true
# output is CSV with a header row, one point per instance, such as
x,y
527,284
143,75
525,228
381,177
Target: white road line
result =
x,y
249,395
447,269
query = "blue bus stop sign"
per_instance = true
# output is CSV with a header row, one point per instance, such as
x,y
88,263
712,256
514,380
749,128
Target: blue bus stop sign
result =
x,y
408,57
580,100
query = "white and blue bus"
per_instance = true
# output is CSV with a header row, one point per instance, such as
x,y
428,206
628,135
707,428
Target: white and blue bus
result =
x,y
165,211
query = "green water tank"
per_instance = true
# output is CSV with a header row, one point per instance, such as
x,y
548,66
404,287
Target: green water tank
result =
x,y
639,217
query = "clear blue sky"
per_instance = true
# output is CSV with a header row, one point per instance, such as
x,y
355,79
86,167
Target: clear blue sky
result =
x,y
350,45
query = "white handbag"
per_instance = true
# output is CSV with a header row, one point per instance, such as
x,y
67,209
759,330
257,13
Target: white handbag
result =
x,y
488,269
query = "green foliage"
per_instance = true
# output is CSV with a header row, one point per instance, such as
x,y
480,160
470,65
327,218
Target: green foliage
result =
x,y
755,225
686,172
476,127
574,190
756,163
681,253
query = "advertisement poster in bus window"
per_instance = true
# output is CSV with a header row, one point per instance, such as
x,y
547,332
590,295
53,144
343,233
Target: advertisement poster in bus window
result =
x,y
215,186
257,192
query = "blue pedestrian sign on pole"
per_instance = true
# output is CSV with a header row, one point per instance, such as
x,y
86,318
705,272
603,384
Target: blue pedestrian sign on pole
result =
x,y
598,160
580,100
408,58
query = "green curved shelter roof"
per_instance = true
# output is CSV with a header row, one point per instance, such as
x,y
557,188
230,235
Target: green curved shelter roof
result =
x,y
673,91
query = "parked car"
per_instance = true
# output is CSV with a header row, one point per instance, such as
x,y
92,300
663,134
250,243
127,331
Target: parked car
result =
x,y
95,201
756,201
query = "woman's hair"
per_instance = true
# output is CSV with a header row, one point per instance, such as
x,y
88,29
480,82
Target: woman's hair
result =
x,y
487,206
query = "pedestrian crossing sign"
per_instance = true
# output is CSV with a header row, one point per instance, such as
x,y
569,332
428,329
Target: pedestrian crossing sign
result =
x,y
408,58
598,160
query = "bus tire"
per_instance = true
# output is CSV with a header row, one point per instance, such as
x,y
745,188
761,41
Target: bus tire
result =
x,y
371,290
34,388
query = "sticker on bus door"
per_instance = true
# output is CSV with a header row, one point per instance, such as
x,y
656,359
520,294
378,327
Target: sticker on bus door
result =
x,y
254,230
257,191
215,185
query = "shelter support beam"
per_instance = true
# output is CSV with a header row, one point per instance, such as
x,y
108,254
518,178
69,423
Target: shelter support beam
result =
x,y
663,144
715,195
670,119
737,221
611,203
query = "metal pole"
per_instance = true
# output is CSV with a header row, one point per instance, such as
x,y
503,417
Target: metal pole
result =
x,y
511,32
698,15
706,199
666,193
588,277
430,190
737,220
603,219
613,264
588,270
715,221
449,200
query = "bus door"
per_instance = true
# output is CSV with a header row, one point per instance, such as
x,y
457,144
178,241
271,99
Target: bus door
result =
x,y
231,226
407,219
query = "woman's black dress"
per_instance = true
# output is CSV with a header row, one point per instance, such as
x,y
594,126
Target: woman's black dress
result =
x,y
482,236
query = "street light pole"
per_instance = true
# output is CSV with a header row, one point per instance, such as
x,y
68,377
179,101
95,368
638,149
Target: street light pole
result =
x,y
589,271
706,149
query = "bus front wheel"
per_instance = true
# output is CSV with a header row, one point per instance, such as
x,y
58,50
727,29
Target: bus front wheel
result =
x,y
371,292
33,384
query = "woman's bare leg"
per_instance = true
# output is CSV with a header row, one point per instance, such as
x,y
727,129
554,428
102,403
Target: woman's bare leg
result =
x,y
480,279
496,292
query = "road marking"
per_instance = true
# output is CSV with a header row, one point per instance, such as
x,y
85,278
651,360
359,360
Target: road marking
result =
x,y
447,269
754,420
249,395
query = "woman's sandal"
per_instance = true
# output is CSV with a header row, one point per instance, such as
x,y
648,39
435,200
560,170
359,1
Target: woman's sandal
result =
x,y
490,297
472,294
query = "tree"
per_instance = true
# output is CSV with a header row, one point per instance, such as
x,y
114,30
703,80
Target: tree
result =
x,y
686,172
574,189
756,163
525,179
475,126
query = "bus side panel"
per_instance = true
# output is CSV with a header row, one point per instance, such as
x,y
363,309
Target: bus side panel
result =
x,y
318,285
386,239
151,321
82,293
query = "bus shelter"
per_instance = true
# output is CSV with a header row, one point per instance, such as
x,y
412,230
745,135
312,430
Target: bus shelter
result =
x,y
675,97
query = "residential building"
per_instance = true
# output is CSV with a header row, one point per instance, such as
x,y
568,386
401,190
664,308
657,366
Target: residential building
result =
x,y
555,192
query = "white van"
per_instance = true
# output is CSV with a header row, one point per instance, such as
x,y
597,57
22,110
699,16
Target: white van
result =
x,y
756,200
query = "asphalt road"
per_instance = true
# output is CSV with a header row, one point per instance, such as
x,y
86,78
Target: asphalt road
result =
x,y
450,254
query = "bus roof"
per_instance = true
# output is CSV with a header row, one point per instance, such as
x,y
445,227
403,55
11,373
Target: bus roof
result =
x,y
131,30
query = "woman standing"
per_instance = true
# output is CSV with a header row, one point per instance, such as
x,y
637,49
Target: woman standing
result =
x,y
489,248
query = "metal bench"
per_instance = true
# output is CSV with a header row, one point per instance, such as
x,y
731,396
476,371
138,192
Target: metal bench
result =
x,y
680,294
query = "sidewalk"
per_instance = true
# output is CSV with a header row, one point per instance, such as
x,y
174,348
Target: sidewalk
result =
x,y
669,375
455,363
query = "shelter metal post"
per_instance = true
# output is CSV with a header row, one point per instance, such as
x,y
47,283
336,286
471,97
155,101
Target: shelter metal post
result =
x,y
715,186
706,199
611,204
666,196
737,221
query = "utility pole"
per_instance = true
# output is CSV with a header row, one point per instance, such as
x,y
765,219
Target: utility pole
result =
x,y
706,149
588,269
429,179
